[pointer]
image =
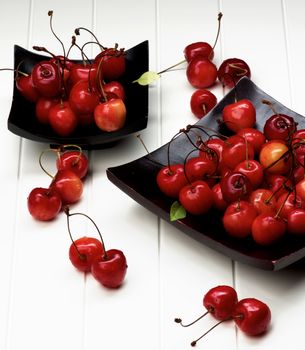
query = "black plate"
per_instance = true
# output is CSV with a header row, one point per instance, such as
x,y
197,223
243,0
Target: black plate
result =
x,y
22,120
138,180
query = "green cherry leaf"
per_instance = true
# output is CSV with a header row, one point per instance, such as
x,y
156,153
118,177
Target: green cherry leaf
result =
x,y
147,78
177,212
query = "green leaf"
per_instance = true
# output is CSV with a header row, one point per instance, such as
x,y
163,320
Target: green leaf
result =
x,y
147,78
177,212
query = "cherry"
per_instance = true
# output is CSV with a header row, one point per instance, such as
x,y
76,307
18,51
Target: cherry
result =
x,y
300,189
235,186
277,184
232,70
263,200
267,228
46,78
239,115
115,88
253,170
171,179
196,198
84,251
110,115
74,160
42,108
252,316
83,98
44,203
218,202
201,168
274,157
296,222
25,86
201,73
86,72
253,136
238,219
202,101
279,127
68,185
62,119
213,144
288,202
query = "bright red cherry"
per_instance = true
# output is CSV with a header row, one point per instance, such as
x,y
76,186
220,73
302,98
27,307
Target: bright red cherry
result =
x,y
218,202
25,86
252,316
232,70
110,115
62,119
268,228
110,270
238,219
84,251
253,136
296,222
73,160
44,203
235,186
196,198
253,170
201,168
239,115
198,48
42,108
115,88
213,145
80,72
287,203
277,184
202,101
263,200
171,179
201,73
112,63
83,99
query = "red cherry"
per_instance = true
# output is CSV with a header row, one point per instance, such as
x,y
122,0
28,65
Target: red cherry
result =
x,y
202,101
80,72
196,198
42,108
252,316
25,86
218,202
300,189
267,229
62,119
75,161
68,185
201,73
83,99
235,186
115,88
201,168
279,127
215,145
239,115
46,78
112,63
232,70
111,270
273,159
253,170
171,179
263,200
287,203
110,115
277,184
296,222
84,251
253,136
198,48
44,203
238,219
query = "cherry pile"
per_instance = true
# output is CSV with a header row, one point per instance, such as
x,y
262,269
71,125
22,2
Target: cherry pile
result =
x,y
88,254
250,315
69,94
256,179
66,187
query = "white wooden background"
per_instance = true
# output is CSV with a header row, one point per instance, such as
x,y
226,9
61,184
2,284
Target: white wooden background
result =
x,y
44,302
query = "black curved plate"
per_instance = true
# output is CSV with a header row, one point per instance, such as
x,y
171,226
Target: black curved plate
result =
x,y
138,180
22,120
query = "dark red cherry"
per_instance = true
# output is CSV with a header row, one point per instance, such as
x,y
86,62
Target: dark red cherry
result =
x,y
232,70
279,127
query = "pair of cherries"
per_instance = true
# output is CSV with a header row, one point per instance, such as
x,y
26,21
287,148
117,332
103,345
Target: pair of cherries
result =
x,y
88,254
45,203
250,315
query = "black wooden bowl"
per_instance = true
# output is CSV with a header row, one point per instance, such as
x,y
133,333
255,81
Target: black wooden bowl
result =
x,y
138,180
22,120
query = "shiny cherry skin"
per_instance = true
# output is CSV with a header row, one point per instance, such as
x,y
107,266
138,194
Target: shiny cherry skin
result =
x,y
272,157
115,88
80,72
75,161
216,145
267,229
84,251
201,73
218,202
202,101
235,186
232,70
277,184
220,302
236,150
46,78
83,99
252,316
296,222
110,270
68,185
62,119
263,200
238,219
196,198
201,168
44,203
288,203
170,180
198,48
110,115
42,108
25,86
112,63
253,170
239,115
253,136
279,127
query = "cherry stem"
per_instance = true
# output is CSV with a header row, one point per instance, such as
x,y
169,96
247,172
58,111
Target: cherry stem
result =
x,y
76,31
62,148
17,71
218,30
50,14
67,212
178,320
40,160
277,214
171,67
147,151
